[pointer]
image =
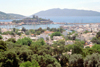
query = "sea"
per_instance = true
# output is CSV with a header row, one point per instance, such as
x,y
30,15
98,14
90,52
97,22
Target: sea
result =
x,y
61,19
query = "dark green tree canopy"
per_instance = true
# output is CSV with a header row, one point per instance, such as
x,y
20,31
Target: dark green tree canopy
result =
x,y
3,46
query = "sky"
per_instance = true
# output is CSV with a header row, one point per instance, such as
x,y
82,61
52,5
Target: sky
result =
x,y
29,7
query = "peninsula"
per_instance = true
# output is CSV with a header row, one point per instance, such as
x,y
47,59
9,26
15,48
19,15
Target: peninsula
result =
x,y
33,20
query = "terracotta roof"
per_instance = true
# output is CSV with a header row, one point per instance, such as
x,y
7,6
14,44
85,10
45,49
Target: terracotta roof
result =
x,y
32,34
90,45
47,32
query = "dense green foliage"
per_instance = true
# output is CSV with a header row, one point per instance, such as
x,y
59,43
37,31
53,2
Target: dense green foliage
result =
x,y
11,40
24,41
55,29
55,34
27,53
96,39
3,46
0,37
30,64
86,31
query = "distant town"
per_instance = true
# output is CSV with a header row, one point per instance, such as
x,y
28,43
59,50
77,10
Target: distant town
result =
x,y
84,32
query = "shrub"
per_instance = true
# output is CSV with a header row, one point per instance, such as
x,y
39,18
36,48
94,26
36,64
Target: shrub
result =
x,y
3,46
0,37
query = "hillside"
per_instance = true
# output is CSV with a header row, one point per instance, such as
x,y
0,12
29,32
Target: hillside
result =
x,y
10,16
67,12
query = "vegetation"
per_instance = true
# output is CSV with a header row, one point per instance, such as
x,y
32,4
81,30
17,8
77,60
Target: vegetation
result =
x,y
0,37
86,31
55,34
29,64
96,39
55,30
24,41
27,53
38,54
10,16
11,40
3,46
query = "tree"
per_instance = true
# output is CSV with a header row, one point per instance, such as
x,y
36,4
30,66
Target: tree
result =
x,y
32,31
60,42
0,37
41,41
61,29
76,60
46,60
55,34
23,29
96,47
48,28
92,60
9,59
94,40
30,64
14,29
2,46
0,31
27,33
98,35
25,41
86,31
76,49
18,33
11,40
64,60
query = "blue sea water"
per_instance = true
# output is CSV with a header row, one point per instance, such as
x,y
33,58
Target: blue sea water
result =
x,y
32,26
6,20
70,19
74,19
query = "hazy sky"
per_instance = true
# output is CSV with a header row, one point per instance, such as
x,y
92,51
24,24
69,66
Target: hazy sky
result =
x,y
29,7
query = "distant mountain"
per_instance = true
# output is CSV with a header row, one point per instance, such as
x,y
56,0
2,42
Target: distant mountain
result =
x,y
67,12
10,16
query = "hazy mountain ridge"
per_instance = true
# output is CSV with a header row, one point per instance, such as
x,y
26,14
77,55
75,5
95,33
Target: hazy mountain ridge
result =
x,y
4,16
67,12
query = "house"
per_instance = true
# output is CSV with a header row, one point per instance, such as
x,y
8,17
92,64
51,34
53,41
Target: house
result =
x,y
80,30
49,42
69,42
88,43
16,37
43,35
87,36
32,35
6,37
65,33
48,32
56,38
88,46
5,30
34,38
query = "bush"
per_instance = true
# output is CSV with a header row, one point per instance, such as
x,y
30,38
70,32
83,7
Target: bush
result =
x,y
56,34
11,40
92,60
2,46
24,41
9,59
0,37
46,60
76,60
30,64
